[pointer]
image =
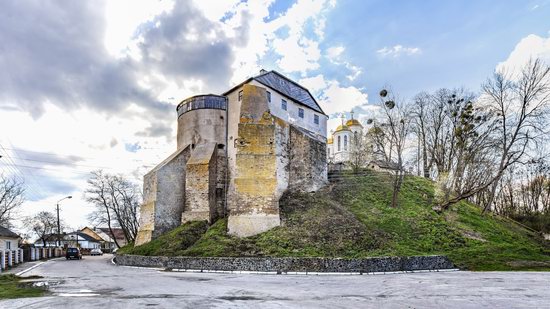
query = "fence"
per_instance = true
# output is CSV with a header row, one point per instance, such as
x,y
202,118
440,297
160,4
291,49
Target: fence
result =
x,y
11,258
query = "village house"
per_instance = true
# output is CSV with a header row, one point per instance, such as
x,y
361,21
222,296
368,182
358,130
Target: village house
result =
x,y
8,240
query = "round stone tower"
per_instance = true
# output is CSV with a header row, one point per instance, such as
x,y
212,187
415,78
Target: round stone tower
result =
x,y
202,119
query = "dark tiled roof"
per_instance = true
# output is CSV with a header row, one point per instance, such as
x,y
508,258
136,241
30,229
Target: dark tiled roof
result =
x,y
7,233
285,86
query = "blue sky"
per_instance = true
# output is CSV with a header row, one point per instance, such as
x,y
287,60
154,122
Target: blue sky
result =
x,y
461,42
94,84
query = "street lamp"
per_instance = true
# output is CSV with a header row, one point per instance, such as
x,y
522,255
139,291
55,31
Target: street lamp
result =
x,y
59,225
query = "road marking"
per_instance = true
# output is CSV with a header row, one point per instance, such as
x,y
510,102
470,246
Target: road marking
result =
x,y
29,269
77,294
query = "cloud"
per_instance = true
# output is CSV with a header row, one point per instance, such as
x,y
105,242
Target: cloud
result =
x,y
305,21
334,97
529,47
56,55
333,53
397,51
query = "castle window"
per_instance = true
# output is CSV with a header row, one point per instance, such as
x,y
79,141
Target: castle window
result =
x,y
283,105
268,96
345,142
301,112
316,119
240,96
339,140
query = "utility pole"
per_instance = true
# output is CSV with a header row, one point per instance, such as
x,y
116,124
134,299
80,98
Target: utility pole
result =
x,y
58,224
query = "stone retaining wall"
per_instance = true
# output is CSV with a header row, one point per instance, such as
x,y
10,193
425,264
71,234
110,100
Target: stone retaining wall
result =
x,y
288,264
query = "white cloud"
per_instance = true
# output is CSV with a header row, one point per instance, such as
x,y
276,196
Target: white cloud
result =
x,y
333,53
398,50
124,16
55,153
333,97
315,84
530,47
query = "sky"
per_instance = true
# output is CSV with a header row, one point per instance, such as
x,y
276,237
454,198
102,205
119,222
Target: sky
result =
x,y
87,85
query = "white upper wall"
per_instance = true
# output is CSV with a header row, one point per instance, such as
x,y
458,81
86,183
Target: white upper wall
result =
x,y
291,115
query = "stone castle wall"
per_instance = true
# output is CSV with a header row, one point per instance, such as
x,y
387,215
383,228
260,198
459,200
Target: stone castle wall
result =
x,y
240,173
163,197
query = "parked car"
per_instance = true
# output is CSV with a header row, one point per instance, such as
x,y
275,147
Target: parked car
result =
x,y
73,253
96,252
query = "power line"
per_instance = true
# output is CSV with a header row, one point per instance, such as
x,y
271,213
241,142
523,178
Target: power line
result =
x,y
16,170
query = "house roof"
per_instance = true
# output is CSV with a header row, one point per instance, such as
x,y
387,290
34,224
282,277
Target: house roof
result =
x,y
4,232
285,86
81,236
117,232
91,232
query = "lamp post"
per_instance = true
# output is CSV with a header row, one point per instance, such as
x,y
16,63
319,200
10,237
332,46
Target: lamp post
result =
x,y
59,225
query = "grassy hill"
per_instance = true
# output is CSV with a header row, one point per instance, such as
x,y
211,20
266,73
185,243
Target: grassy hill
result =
x,y
352,218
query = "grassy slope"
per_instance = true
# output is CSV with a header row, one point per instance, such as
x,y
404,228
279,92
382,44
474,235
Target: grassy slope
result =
x,y
352,219
11,287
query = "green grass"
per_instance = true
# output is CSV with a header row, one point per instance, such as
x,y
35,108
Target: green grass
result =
x,y
173,243
353,218
12,286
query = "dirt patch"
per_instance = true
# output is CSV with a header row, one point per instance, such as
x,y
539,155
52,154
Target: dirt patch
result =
x,y
473,235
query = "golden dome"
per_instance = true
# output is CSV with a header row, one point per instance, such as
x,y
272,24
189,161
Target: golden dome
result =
x,y
353,122
341,128
330,140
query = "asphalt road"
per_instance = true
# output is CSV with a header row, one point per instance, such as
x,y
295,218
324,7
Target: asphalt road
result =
x,y
96,283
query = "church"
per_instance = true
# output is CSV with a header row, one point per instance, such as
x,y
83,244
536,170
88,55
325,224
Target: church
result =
x,y
340,141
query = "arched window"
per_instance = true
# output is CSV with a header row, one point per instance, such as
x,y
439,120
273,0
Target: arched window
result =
x,y
345,143
339,137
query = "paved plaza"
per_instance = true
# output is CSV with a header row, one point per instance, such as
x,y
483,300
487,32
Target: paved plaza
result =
x,y
95,282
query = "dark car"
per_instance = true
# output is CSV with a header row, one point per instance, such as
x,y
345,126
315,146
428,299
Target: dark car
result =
x,y
73,253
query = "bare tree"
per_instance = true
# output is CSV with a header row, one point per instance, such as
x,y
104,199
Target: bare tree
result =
x,y
359,152
43,225
518,110
420,121
396,128
11,197
117,201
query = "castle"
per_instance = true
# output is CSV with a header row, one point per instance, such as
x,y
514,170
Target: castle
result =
x,y
237,153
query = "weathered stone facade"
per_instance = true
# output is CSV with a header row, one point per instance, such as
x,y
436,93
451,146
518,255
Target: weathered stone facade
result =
x,y
235,158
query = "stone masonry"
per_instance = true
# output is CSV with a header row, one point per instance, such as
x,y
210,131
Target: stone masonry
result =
x,y
237,155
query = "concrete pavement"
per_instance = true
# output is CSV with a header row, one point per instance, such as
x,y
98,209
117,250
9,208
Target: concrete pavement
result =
x,y
95,282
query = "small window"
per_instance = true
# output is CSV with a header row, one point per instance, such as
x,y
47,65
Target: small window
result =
x,y
8,245
283,105
269,97
316,119
301,112
240,95
345,142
